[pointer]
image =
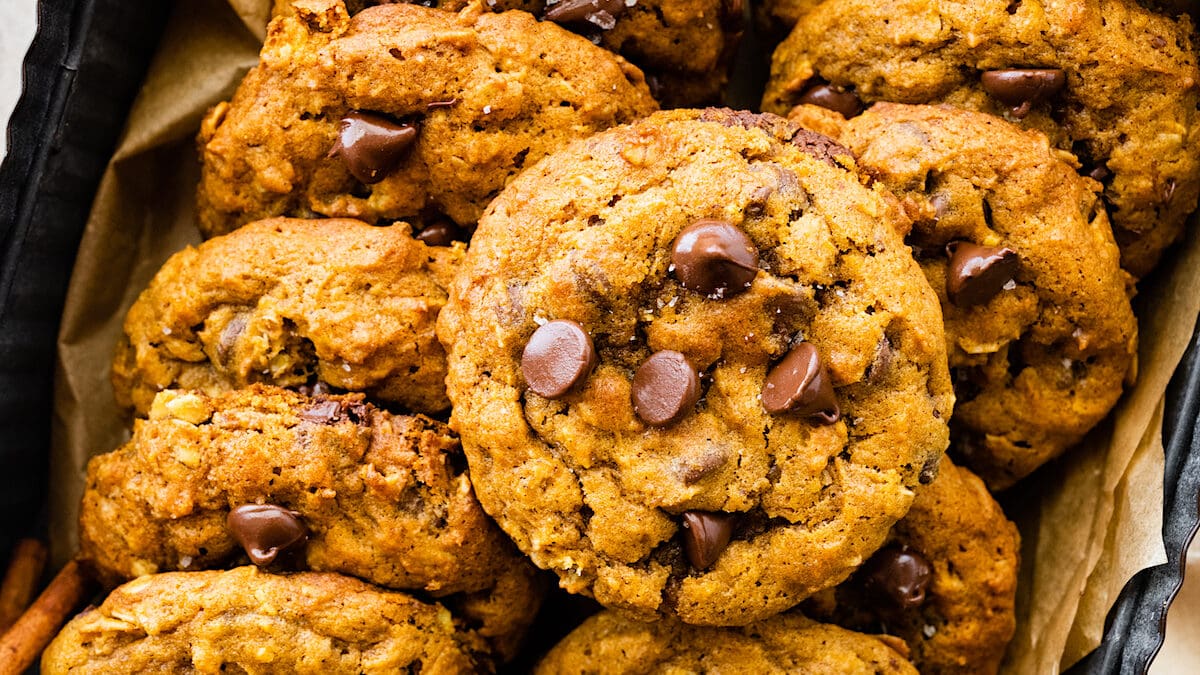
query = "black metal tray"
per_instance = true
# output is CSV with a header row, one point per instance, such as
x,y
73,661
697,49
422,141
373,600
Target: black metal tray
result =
x,y
81,75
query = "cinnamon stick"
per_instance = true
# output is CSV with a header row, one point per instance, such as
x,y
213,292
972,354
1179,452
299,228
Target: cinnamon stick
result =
x,y
21,580
24,642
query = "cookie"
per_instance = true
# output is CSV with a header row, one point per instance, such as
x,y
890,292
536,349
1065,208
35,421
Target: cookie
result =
x,y
684,47
610,644
246,620
1113,83
1039,330
402,113
683,353
945,582
328,483
295,303
776,17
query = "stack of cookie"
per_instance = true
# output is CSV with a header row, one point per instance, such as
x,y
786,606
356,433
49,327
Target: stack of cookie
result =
x,y
471,307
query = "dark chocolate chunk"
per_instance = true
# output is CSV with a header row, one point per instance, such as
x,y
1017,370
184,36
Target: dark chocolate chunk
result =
x,y
715,258
665,388
559,356
834,98
602,13
977,273
266,531
705,536
441,233
897,577
1023,88
372,145
821,147
800,383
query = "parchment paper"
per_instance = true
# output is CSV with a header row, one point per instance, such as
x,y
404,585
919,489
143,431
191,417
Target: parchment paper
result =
x,y
1089,521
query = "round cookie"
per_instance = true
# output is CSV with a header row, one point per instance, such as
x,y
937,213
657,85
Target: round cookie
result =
x,y
683,46
610,644
677,278
293,303
1112,82
402,113
1039,330
945,582
328,483
245,620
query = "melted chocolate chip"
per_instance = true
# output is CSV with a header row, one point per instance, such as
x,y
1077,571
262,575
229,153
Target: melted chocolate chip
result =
x,y
372,145
820,146
1021,89
266,531
322,412
834,98
665,388
977,273
897,576
559,356
439,234
800,383
757,207
705,536
602,13
715,258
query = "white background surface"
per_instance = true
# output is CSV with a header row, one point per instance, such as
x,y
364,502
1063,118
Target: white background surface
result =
x,y
1181,653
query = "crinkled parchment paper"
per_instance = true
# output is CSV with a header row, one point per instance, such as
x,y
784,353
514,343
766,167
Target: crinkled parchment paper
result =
x,y
1090,521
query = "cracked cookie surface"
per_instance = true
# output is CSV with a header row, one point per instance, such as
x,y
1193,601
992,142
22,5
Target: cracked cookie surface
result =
x,y
293,303
971,551
382,497
656,415
609,644
1043,360
449,108
245,620
1110,81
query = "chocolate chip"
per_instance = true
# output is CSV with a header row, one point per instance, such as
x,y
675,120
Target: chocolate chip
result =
x,y
372,145
834,98
229,337
441,233
433,105
665,388
821,147
1158,42
602,13
1099,173
977,273
884,353
1023,88
715,258
322,412
897,576
1168,191
267,531
941,204
929,470
800,383
557,357
696,467
705,536
757,206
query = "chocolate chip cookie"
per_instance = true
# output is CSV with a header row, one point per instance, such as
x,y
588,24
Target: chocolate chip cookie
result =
x,y
1112,82
611,644
945,583
1039,329
245,620
402,113
295,303
687,352
683,46
328,483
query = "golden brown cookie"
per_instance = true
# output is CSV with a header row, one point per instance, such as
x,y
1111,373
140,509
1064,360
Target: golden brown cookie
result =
x,y
1039,329
609,644
683,46
1112,82
946,581
249,621
402,113
293,303
328,483
688,351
